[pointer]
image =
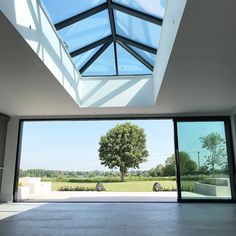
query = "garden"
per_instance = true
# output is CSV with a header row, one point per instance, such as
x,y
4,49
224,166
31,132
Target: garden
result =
x,y
123,148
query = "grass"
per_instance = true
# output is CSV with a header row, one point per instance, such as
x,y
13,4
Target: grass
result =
x,y
131,186
141,186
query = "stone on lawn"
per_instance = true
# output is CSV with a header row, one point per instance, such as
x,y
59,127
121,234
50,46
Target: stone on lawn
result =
x,y
156,187
100,187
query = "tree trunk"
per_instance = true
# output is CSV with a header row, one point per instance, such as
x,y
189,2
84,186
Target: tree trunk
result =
x,y
213,170
123,174
122,177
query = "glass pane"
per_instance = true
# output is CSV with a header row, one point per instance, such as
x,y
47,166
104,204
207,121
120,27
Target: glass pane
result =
x,y
146,55
203,160
64,9
129,65
104,65
137,29
81,59
151,7
86,31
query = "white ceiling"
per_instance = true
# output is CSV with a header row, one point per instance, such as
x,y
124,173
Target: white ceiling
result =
x,y
200,76
26,85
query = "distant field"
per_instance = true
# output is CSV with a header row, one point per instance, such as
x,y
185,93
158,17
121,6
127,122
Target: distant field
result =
x,y
106,179
135,186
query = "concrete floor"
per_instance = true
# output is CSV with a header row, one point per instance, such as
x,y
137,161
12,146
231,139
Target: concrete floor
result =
x,y
118,219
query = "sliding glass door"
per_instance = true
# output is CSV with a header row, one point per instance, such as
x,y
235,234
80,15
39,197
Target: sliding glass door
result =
x,y
204,161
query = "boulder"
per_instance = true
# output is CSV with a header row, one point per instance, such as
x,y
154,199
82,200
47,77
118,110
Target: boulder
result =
x,y
100,187
156,187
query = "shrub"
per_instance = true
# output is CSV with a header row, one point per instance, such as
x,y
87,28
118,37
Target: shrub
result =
x,y
187,187
76,188
193,177
20,184
60,179
141,178
171,188
214,181
93,180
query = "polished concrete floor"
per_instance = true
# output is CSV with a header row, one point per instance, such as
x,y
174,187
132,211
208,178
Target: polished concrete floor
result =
x,y
118,219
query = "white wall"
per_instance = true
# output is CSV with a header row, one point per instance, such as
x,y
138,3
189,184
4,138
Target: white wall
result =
x,y
117,92
172,19
3,135
6,191
32,23
233,126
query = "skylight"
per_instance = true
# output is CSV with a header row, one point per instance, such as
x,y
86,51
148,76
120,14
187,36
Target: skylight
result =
x,y
109,37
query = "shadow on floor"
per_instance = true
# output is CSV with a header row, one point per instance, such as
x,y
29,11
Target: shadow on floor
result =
x,y
121,219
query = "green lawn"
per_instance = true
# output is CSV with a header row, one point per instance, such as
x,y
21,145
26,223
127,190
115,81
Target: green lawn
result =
x,y
131,186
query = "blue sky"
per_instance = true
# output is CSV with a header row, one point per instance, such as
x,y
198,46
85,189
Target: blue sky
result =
x,y
73,145
189,134
97,26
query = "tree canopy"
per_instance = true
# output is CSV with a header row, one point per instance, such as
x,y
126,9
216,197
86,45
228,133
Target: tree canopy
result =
x,y
170,166
187,166
123,147
215,144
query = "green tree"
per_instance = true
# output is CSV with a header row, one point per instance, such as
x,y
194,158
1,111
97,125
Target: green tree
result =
x,y
203,170
152,172
157,171
160,170
123,147
187,165
169,169
215,144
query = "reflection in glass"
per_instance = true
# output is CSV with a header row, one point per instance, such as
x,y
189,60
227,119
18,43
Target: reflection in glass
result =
x,y
152,7
149,57
203,160
136,29
63,9
104,64
127,64
81,59
86,31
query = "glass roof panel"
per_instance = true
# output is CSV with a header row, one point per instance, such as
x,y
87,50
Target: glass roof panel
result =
x,y
129,65
151,7
97,26
86,31
60,10
136,29
81,59
104,65
149,57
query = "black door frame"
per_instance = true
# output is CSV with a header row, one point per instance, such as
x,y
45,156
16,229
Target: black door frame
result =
x,y
230,155
228,133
